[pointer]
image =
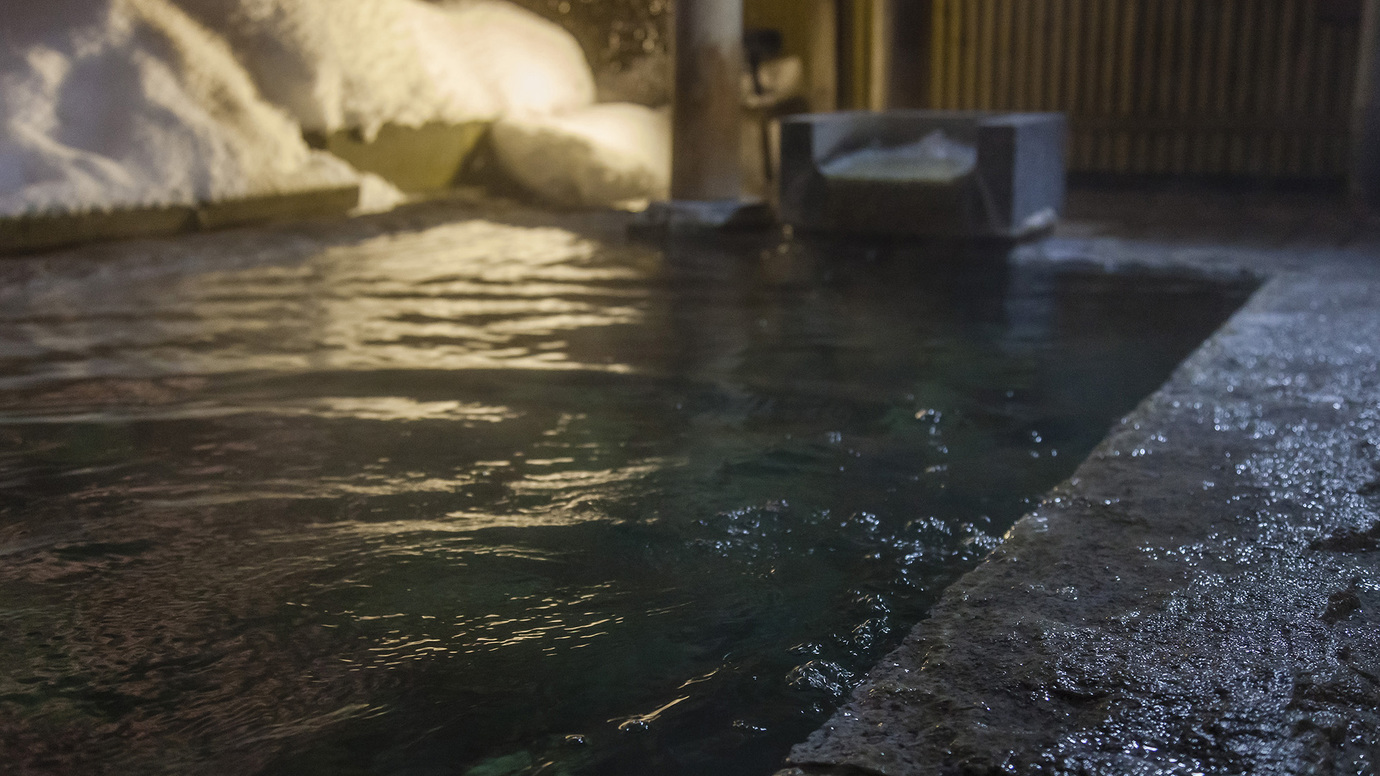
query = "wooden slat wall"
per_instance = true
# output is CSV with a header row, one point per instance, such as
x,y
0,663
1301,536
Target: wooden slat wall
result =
x,y
1198,87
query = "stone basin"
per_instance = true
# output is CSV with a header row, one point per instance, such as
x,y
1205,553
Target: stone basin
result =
x,y
970,174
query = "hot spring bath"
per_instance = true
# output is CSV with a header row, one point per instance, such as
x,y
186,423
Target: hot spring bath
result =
x,y
475,498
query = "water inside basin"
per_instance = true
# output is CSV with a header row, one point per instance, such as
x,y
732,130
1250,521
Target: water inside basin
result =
x,y
492,500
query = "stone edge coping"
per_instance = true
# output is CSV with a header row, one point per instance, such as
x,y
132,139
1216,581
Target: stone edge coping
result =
x,y
33,233
1200,595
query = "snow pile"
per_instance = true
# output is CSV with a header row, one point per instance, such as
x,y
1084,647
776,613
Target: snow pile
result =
x,y
128,103
118,104
532,66
611,154
359,64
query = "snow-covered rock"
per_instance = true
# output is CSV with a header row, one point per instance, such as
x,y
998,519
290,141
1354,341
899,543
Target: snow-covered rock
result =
x,y
118,104
359,64
125,103
613,154
533,67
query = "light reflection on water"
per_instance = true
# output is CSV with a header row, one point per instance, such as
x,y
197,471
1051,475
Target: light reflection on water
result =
x,y
485,499
471,295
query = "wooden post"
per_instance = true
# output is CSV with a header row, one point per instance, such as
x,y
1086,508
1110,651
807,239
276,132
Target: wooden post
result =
x,y
909,41
1364,176
854,29
881,44
823,56
707,125
866,52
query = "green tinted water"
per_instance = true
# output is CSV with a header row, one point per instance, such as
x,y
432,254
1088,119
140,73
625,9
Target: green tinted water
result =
x,y
487,500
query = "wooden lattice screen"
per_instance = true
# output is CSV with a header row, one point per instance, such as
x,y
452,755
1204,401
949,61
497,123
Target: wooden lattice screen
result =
x,y
1205,87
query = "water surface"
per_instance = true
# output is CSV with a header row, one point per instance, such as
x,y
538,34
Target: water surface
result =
x,y
493,500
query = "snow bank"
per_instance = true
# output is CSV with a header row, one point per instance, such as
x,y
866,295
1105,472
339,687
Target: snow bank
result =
x,y
117,104
126,103
605,155
359,64
533,66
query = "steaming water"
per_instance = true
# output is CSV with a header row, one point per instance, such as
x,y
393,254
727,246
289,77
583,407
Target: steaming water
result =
x,y
487,500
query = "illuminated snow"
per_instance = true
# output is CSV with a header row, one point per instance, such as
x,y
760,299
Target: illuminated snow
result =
x,y
126,103
359,64
611,154
117,104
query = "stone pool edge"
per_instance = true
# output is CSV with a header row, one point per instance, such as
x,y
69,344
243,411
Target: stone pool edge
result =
x,y
1201,595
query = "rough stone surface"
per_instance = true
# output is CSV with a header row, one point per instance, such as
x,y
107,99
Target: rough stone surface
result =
x,y
1203,595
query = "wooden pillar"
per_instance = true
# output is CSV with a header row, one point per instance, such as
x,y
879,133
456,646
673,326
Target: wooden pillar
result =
x,y
909,41
866,41
1364,176
881,50
822,55
707,125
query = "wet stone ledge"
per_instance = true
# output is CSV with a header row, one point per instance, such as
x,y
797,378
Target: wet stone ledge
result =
x,y
1202,596
30,233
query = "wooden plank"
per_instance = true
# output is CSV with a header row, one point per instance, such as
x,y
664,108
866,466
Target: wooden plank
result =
x,y
971,17
1171,122
1236,158
1089,64
1024,69
1286,65
939,71
1183,90
1363,173
1106,87
881,44
1221,96
1302,78
1162,86
955,61
987,60
1040,32
1144,97
1164,77
1322,87
823,48
1073,69
1207,17
1054,100
1004,89
854,53
1266,51
1125,82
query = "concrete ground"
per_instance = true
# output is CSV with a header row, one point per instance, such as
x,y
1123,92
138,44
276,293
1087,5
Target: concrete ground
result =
x,y
1203,595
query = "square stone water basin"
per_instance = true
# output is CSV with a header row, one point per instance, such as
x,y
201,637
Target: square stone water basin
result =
x,y
968,174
